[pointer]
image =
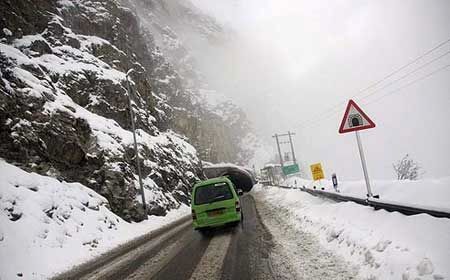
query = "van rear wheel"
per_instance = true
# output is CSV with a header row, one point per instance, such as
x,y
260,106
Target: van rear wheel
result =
x,y
204,231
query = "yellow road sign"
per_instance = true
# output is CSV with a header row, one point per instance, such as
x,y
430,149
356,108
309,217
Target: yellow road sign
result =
x,y
317,171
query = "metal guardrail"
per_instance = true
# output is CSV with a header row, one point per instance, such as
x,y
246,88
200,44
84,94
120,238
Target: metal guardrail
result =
x,y
376,204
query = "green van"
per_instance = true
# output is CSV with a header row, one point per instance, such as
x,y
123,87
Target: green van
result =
x,y
215,202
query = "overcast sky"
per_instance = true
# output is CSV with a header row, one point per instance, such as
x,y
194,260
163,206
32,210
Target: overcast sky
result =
x,y
291,61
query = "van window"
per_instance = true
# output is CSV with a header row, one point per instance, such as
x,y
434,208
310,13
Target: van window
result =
x,y
212,193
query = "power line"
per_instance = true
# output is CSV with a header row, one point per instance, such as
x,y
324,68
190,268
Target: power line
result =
x,y
408,84
406,75
388,93
384,78
408,64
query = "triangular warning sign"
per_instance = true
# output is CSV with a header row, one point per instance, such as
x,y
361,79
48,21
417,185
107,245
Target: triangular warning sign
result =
x,y
355,119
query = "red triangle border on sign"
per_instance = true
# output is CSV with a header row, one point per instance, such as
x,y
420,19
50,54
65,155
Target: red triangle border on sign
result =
x,y
344,119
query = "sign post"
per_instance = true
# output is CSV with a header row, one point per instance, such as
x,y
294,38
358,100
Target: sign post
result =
x,y
335,182
355,120
363,163
279,149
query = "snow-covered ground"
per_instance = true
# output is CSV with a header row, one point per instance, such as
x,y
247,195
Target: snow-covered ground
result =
x,y
380,244
47,226
429,193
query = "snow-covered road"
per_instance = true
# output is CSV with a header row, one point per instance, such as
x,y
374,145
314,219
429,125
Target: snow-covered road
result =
x,y
241,252
298,253
375,244
264,246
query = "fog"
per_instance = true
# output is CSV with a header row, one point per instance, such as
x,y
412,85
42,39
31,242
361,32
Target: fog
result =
x,y
293,65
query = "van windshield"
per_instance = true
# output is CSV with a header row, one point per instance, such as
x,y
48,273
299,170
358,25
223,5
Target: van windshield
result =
x,y
212,193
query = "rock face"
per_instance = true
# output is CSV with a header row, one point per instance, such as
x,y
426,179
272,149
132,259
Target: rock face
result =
x,y
64,98
64,103
218,129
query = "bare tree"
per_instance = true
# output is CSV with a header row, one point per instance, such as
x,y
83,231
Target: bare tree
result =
x,y
407,169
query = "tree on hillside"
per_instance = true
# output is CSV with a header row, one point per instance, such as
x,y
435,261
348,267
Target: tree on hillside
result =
x,y
407,169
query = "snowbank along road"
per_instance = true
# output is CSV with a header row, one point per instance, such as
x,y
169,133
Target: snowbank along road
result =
x,y
262,247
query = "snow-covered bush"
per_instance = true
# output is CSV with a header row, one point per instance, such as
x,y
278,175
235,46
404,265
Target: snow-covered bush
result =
x,y
407,169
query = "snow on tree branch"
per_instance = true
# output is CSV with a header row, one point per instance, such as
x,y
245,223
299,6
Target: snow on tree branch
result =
x,y
407,169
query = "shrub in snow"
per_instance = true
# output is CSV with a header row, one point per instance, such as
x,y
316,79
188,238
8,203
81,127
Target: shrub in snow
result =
x,y
407,169
425,267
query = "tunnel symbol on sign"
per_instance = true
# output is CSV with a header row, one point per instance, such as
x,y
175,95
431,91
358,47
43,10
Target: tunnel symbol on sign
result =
x,y
355,120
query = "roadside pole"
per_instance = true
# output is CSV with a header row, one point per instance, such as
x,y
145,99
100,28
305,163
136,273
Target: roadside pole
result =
x,y
279,149
136,151
355,120
290,167
363,163
292,147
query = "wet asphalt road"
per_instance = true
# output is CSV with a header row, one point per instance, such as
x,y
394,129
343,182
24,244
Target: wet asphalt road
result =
x,y
228,253
178,252
246,251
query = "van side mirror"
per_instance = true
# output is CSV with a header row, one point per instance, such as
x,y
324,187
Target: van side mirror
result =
x,y
240,192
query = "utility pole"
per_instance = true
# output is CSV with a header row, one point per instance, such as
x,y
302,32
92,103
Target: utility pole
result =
x,y
136,151
292,146
289,134
279,149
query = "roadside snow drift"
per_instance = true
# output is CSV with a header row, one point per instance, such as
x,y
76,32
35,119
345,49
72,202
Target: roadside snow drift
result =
x,y
384,245
425,193
47,226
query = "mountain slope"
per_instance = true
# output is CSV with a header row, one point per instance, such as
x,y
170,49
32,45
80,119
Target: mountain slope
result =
x,y
218,127
65,110
64,103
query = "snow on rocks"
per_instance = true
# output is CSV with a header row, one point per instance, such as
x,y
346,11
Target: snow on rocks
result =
x,y
7,32
47,226
384,245
75,102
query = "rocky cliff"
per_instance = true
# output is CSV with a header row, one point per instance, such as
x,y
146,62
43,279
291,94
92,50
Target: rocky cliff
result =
x,y
64,100
217,127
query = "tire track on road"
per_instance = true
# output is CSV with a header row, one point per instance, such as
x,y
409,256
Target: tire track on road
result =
x,y
178,253
126,257
249,252
122,267
241,252
210,266
158,261
182,264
